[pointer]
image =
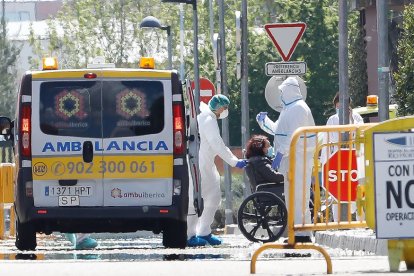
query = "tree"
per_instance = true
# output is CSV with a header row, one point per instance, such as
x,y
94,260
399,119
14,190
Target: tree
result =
x,y
404,77
358,77
114,32
84,29
8,58
318,48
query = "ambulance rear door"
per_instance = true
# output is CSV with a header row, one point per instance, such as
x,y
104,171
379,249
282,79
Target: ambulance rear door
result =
x,y
67,130
137,138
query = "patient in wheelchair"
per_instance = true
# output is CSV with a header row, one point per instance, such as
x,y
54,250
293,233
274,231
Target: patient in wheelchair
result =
x,y
259,169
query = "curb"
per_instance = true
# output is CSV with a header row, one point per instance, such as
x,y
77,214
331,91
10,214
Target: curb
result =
x,y
355,239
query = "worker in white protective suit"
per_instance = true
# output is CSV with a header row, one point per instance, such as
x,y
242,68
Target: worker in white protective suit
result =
x,y
295,113
333,137
211,145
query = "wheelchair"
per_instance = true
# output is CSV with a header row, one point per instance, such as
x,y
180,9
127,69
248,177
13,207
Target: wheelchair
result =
x,y
262,216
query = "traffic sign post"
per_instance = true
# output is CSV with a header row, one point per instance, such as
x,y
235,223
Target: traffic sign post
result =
x,y
285,68
207,90
285,36
339,175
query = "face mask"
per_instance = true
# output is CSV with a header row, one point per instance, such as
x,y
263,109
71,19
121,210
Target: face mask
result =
x,y
337,110
224,114
270,152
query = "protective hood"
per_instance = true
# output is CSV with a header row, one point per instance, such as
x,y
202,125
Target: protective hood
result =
x,y
290,91
205,109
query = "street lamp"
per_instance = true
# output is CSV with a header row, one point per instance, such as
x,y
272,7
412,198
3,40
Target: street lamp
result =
x,y
195,45
153,22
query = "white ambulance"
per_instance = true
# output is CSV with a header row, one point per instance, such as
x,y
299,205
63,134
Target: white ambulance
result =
x,y
100,150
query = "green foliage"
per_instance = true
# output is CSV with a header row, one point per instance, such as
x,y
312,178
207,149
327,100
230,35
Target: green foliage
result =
x,y
85,29
113,31
8,58
318,48
404,77
358,77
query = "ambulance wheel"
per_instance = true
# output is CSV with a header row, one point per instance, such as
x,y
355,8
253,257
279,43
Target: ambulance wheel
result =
x,y
25,236
262,217
174,234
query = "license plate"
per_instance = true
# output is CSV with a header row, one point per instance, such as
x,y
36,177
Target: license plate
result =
x,y
68,191
68,200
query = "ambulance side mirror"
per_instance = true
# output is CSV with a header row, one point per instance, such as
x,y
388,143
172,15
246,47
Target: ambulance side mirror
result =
x,y
87,151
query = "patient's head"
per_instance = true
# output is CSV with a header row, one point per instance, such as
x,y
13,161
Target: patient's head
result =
x,y
257,146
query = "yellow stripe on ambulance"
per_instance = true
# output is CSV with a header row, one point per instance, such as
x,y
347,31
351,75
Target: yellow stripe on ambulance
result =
x,y
112,166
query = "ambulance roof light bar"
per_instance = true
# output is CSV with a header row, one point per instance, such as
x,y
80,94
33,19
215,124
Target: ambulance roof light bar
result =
x,y
146,63
49,63
372,100
99,62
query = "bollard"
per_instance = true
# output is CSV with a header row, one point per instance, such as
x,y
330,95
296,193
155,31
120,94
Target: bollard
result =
x,y
398,251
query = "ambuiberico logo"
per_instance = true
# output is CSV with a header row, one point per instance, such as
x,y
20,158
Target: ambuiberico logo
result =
x,y
116,193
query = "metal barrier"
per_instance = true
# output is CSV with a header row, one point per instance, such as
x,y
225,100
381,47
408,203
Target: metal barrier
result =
x,y
6,152
6,197
336,177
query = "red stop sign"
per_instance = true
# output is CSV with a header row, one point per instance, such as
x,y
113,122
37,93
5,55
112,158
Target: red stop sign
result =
x,y
339,175
207,89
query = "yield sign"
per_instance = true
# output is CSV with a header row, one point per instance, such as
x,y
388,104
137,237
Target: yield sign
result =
x,y
285,36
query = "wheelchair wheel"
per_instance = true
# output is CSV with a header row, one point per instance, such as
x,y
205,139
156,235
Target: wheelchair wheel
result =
x,y
262,217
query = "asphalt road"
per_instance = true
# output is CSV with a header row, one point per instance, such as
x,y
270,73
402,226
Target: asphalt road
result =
x,y
132,254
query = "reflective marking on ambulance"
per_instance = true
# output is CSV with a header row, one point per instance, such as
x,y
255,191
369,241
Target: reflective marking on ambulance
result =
x,y
114,166
112,146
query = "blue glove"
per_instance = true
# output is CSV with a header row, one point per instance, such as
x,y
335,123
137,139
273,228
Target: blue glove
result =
x,y
241,163
261,116
276,161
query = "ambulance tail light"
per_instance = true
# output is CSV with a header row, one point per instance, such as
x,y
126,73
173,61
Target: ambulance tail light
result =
x,y
29,188
178,128
26,130
177,187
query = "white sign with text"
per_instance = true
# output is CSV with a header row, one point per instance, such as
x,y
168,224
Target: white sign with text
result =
x,y
394,185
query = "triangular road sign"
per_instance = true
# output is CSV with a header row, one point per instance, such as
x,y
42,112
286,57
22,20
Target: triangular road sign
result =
x,y
285,36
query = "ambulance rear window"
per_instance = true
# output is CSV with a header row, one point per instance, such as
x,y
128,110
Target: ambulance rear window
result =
x,y
101,109
70,108
132,108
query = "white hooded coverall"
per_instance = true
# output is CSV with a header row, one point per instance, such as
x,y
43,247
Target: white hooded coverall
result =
x,y
326,152
211,144
295,114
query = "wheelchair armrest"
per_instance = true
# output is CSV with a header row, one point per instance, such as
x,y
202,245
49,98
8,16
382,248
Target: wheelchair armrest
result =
x,y
275,188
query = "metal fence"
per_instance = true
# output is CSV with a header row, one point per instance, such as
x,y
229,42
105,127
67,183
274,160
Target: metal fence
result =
x,y
337,184
6,188
6,152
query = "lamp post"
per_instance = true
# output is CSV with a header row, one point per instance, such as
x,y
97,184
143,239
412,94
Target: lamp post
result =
x,y
153,22
195,36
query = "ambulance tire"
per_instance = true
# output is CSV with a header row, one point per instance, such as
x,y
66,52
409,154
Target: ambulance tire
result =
x,y
175,234
25,236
